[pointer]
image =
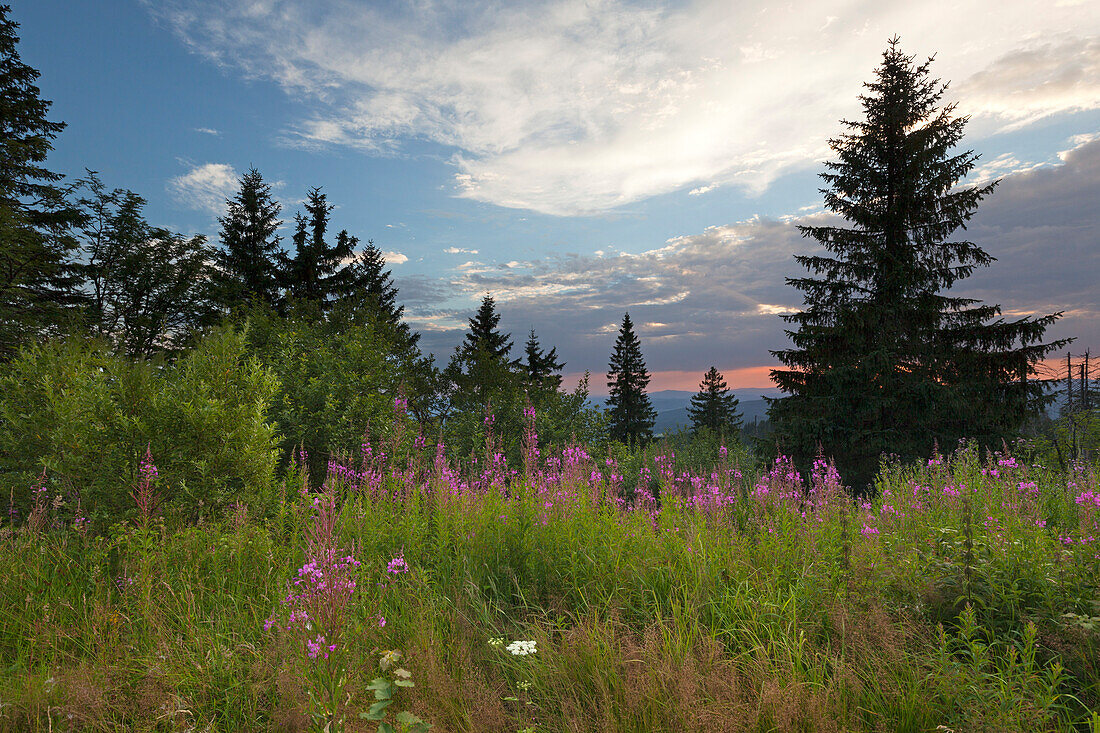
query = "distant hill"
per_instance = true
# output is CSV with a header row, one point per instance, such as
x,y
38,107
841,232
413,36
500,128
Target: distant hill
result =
x,y
672,404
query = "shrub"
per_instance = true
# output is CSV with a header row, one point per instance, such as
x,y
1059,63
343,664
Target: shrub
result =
x,y
88,417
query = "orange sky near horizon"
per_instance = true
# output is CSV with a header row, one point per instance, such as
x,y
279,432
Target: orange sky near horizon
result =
x,y
745,378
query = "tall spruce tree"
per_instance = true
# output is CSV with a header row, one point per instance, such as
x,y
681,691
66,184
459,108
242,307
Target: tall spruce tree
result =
x,y
631,414
542,367
882,360
480,371
39,277
247,265
714,407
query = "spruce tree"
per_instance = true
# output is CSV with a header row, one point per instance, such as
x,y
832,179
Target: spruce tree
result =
x,y
316,273
630,412
39,277
480,371
248,261
882,360
714,407
542,367
484,335
366,283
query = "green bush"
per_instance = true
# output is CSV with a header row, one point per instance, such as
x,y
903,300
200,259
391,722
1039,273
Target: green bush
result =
x,y
87,417
337,381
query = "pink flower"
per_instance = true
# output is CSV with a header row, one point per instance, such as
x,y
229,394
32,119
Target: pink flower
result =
x,y
398,565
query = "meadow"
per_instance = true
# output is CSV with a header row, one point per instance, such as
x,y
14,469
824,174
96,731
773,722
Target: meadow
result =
x,y
568,594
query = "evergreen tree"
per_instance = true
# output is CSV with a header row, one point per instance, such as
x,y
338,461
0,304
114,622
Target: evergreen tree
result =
x,y
480,374
368,284
542,367
484,335
632,416
883,362
315,273
714,406
39,279
248,261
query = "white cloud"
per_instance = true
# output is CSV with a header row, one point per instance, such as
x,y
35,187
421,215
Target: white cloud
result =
x,y
460,251
395,258
208,131
701,190
1003,165
578,106
205,187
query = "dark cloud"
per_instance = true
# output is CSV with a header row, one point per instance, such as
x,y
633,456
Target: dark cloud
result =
x,y
714,297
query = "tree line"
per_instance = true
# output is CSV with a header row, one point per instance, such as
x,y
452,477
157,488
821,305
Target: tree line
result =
x,y
883,359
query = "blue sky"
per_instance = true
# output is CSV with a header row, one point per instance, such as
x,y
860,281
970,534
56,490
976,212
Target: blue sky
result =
x,y
580,158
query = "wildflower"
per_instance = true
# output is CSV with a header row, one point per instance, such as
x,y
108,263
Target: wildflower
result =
x,y
316,647
521,648
398,565
381,622
496,641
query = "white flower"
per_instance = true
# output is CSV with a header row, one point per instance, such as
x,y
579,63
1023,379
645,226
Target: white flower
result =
x,y
496,641
522,648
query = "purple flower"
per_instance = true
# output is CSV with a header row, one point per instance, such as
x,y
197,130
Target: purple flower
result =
x,y
398,565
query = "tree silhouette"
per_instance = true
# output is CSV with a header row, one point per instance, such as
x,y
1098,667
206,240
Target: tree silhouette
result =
x,y
39,277
714,406
632,416
247,265
883,362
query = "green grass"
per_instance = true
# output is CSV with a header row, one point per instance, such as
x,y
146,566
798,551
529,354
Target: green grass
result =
x,y
748,618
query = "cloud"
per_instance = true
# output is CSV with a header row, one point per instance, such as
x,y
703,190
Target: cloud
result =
x,y
715,297
572,107
1003,165
395,258
207,131
205,187
701,190
1036,80
460,251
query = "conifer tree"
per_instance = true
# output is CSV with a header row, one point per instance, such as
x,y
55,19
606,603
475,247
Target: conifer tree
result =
x,y
248,261
714,406
366,283
630,412
882,360
542,367
480,372
315,273
484,334
39,277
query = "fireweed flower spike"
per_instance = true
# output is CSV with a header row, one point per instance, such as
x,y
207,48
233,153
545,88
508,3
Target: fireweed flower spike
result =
x,y
398,565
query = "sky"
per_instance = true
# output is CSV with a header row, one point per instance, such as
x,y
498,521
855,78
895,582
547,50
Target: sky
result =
x,y
580,159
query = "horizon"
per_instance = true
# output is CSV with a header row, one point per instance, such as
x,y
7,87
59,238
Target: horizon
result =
x,y
659,165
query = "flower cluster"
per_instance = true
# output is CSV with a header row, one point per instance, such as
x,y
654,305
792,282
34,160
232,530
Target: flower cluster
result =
x,y
521,648
397,565
318,648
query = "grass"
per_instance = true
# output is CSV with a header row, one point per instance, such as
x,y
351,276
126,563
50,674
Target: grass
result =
x,y
960,598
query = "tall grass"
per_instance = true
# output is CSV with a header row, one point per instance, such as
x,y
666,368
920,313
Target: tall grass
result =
x,y
963,596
